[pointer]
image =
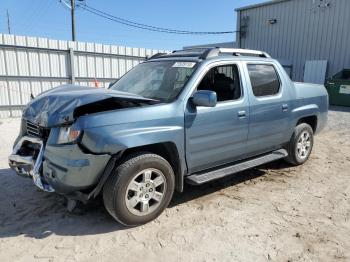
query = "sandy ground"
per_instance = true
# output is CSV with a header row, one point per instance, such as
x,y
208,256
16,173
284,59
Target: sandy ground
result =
x,y
274,212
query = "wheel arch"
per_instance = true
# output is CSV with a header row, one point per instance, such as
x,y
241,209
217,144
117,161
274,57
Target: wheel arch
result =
x,y
310,120
169,152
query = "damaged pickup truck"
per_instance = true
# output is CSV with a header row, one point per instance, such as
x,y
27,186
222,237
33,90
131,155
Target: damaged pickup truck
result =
x,y
191,116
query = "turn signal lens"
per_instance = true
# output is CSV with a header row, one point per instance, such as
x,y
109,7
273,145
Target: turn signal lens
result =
x,y
74,134
67,135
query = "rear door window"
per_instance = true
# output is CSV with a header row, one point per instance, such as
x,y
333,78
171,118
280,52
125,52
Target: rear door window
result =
x,y
264,79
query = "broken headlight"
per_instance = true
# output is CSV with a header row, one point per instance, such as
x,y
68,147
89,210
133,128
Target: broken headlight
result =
x,y
68,134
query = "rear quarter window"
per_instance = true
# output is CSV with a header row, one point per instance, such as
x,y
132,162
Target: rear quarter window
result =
x,y
264,79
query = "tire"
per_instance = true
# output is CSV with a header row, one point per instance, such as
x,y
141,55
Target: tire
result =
x,y
300,145
141,178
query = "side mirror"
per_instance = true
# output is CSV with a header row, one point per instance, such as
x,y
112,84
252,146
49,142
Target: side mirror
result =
x,y
205,98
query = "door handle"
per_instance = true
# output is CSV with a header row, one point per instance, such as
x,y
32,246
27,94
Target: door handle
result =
x,y
241,114
285,107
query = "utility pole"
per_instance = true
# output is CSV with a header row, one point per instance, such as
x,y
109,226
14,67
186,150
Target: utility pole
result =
x,y
8,22
72,4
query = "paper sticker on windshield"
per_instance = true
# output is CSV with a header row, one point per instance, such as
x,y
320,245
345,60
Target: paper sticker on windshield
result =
x,y
184,64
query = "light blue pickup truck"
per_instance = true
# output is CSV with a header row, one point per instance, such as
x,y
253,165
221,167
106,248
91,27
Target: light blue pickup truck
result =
x,y
191,116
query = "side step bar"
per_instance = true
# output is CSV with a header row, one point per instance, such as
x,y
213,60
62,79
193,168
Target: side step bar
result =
x,y
201,178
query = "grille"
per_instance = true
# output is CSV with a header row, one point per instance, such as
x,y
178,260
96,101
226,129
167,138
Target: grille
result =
x,y
33,129
37,131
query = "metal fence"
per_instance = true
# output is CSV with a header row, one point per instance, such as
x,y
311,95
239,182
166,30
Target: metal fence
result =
x,y
31,65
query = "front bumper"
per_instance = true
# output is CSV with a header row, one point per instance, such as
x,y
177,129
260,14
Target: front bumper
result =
x,y
26,159
60,168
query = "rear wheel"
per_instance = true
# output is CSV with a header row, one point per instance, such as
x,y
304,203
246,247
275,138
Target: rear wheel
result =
x,y
300,145
139,189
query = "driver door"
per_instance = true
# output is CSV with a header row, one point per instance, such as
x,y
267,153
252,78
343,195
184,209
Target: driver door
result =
x,y
217,135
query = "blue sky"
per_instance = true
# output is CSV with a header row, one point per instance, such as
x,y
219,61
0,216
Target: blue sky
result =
x,y
49,18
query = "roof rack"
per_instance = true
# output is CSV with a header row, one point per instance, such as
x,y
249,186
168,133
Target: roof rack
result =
x,y
205,53
155,56
212,52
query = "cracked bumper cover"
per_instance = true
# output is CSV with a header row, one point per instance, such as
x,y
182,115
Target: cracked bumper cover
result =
x,y
61,168
67,169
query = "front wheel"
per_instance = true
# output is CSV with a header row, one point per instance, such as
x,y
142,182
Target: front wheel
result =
x,y
300,145
139,189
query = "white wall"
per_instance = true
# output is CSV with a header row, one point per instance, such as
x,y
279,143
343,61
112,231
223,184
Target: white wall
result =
x,y
32,65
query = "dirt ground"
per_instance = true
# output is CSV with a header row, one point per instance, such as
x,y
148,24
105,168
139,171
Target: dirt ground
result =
x,y
274,212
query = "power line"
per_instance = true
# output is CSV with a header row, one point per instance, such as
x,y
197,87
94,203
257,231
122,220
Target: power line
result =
x,y
147,27
72,6
34,14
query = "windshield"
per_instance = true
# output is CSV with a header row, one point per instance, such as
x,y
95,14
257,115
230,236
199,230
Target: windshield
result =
x,y
160,80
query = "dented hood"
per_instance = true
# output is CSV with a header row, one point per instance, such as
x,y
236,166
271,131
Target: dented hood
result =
x,y
57,106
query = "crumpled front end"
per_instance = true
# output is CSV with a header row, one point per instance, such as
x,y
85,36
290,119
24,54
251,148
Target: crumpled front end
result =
x,y
63,104
53,167
27,158
46,150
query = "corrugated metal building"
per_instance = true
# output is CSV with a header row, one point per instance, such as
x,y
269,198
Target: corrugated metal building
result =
x,y
304,35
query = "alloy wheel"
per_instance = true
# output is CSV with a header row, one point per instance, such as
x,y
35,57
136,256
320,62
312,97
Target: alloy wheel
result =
x,y
145,192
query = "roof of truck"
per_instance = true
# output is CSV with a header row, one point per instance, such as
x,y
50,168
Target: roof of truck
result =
x,y
212,53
